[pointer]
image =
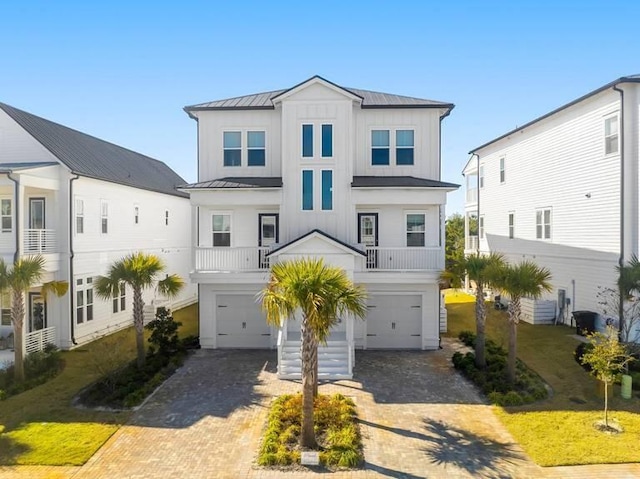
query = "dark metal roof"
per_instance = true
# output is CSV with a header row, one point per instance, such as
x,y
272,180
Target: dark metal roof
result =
x,y
25,165
237,182
398,182
89,156
625,79
320,232
370,99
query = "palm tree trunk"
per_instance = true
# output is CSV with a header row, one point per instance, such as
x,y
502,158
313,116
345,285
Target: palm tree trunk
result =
x,y
315,371
17,318
514,315
606,404
307,433
138,323
481,314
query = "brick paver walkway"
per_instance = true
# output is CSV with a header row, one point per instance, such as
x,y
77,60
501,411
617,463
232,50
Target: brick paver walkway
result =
x,y
419,419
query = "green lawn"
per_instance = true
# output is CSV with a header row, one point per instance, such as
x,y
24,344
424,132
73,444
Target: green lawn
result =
x,y
40,426
557,431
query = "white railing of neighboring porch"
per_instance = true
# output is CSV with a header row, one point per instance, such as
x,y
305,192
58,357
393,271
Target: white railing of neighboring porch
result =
x,y
37,340
39,241
403,259
471,242
232,259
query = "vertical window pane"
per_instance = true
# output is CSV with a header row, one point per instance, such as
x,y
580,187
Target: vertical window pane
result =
x,y
221,231
232,143
404,156
327,141
256,145
380,156
307,141
256,158
380,147
79,316
307,190
232,157
415,230
79,298
327,190
6,207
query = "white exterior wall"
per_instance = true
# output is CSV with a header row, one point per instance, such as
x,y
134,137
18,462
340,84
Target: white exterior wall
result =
x,y
18,146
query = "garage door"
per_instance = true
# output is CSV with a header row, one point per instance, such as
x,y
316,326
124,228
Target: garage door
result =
x,y
394,322
241,323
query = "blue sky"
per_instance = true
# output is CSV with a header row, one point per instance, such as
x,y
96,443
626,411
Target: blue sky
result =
x,y
122,71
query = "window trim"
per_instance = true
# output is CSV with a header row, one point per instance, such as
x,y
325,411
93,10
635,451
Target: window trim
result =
x,y
503,173
313,190
393,145
222,213
543,225
406,229
82,285
136,214
166,217
413,147
119,301
104,216
371,147
511,224
10,215
322,155
608,118
225,148
252,148
303,155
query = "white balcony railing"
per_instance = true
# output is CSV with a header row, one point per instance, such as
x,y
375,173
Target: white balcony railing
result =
x,y
472,195
232,259
471,243
404,259
39,241
37,340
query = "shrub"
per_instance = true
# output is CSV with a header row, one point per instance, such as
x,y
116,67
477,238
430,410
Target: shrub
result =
x,y
468,338
39,367
164,339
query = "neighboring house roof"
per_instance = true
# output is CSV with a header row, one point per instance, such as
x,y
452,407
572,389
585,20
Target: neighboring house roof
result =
x,y
317,233
92,157
26,166
237,182
370,99
625,79
398,182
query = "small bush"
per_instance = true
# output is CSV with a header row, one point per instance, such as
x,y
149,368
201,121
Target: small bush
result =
x,y
39,367
164,339
468,338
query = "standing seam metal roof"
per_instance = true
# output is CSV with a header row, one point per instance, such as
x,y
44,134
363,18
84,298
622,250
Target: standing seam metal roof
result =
x,y
89,156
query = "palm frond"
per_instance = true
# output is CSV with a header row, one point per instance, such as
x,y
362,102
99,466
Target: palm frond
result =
x,y
57,288
170,286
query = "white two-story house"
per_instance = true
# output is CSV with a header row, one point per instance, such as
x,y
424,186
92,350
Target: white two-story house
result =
x,y
83,203
320,170
562,190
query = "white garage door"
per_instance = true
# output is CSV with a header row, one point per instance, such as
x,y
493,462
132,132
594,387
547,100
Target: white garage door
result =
x,y
394,322
241,323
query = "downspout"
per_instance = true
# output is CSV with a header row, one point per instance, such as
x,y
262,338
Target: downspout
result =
x,y
16,207
622,191
478,202
71,255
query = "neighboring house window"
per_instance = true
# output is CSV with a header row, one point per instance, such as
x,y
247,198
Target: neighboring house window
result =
x,y
307,190
379,147
232,147
611,135
502,172
481,176
7,216
256,155
104,215
136,215
481,227
166,217
404,147
327,141
84,300
543,224
307,141
327,190
79,217
120,300
222,230
415,229
512,218
5,309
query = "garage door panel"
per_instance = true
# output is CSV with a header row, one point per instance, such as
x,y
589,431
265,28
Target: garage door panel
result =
x,y
394,322
241,323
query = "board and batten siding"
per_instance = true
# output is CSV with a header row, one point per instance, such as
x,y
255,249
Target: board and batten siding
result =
x,y
18,146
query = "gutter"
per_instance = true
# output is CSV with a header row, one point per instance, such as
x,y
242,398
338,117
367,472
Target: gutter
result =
x,y
622,191
16,208
71,255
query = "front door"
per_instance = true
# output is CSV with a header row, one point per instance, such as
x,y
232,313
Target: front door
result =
x,y
37,312
368,236
268,235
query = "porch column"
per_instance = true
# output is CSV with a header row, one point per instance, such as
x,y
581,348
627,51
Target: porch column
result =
x,y
22,214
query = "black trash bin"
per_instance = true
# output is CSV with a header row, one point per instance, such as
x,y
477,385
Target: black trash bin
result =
x,y
585,322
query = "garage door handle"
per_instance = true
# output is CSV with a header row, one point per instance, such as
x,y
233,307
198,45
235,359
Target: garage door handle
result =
x,y
416,307
371,334
266,334
222,334
222,306
415,335
371,307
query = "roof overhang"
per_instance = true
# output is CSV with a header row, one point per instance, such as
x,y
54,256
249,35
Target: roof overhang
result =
x,y
316,79
317,234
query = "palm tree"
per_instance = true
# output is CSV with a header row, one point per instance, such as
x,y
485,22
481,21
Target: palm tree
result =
x,y
628,286
517,281
25,273
322,294
481,269
140,271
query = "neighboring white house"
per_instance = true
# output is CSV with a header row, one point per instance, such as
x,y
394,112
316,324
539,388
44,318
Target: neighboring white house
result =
x,y
320,170
555,190
83,203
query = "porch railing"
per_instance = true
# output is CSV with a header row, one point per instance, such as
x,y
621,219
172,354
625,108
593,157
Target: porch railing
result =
x,y
404,259
232,259
38,241
37,340
471,242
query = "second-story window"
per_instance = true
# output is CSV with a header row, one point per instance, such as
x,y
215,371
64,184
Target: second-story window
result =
x,y
404,147
255,148
611,135
79,216
104,217
327,141
6,214
232,146
136,215
512,225
379,147
166,217
481,176
307,141
502,172
543,224
221,230
415,229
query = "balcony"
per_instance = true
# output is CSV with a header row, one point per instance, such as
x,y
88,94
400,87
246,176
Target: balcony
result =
x,y
472,195
231,259
404,259
39,241
471,243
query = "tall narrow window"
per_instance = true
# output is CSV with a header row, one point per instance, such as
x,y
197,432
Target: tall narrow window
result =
x,y
166,217
404,147
481,176
5,309
255,148
327,141
79,217
222,230
6,215
307,141
136,215
104,216
481,227
79,302
512,225
502,172
327,190
120,299
232,146
611,135
379,147
415,229
89,298
543,224
307,190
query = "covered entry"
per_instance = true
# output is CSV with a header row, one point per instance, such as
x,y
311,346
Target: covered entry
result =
x,y
394,321
240,322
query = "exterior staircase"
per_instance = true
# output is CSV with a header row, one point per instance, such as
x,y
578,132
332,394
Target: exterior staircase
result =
x,y
333,360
